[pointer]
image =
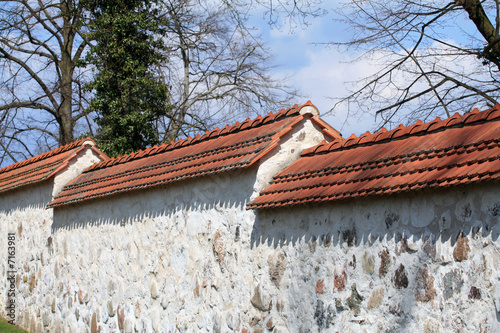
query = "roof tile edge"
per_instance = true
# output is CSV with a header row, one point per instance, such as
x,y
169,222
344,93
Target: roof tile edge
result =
x,y
59,150
295,110
417,128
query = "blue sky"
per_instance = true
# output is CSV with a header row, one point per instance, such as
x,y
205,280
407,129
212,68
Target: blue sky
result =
x,y
318,71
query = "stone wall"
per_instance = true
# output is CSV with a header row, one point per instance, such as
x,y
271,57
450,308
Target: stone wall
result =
x,y
23,213
188,257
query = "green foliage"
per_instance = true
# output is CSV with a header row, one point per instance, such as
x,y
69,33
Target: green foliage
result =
x,y
5,327
129,96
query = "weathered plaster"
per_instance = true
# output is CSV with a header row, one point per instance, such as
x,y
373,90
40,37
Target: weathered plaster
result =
x,y
303,135
189,257
83,159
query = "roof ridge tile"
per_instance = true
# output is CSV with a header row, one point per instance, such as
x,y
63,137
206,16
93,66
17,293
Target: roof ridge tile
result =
x,y
45,155
248,123
417,128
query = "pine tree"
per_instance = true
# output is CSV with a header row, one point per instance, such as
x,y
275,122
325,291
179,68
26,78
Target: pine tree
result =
x,y
129,97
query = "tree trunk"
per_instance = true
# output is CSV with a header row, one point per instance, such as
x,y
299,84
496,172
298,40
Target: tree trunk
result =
x,y
65,120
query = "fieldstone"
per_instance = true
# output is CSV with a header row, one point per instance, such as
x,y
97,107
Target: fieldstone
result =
x,y
431,326
319,313
93,326
339,305
154,290
277,265
137,311
462,249
280,306
368,263
430,248
111,309
354,301
385,262
257,301
32,282
111,287
474,293
319,286
376,298
269,324
196,290
400,279
164,302
340,280
121,318
452,282
218,248
425,286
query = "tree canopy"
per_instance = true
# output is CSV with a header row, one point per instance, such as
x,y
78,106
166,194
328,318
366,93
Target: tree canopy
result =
x,y
129,95
217,70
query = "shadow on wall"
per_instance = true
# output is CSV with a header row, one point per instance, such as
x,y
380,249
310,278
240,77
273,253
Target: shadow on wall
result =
x,y
394,260
203,196
30,197
431,215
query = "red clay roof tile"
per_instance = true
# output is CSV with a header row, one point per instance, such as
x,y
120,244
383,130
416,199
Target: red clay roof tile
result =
x,y
215,151
39,168
458,150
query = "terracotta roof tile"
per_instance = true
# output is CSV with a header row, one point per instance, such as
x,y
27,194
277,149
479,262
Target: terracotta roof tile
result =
x,y
215,151
39,168
458,150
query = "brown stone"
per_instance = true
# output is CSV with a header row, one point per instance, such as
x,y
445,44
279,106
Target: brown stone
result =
x,y
257,300
462,249
93,325
339,281
137,309
20,229
80,296
368,263
121,317
196,290
32,282
244,330
430,248
474,293
376,298
269,324
385,262
400,279
319,286
218,248
279,306
53,306
425,286
56,270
